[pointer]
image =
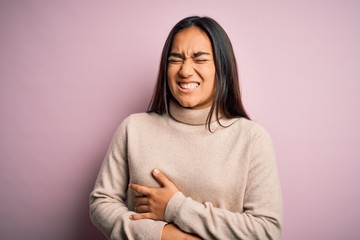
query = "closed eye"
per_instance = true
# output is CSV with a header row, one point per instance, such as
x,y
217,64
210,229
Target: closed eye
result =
x,y
175,60
201,60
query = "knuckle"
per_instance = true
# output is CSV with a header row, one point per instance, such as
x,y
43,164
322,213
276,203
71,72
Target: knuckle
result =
x,y
151,202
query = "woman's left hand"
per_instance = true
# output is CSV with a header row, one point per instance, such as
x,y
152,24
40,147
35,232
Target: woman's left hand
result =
x,y
152,203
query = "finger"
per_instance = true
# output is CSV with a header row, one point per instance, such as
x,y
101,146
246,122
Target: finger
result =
x,y
161,178
141,200
143,208
140,189
140,216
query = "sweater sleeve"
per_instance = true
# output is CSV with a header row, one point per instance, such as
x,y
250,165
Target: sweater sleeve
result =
x,y
262,212
108,209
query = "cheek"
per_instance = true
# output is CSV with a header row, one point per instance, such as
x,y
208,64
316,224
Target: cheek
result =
x,y
171,72
208,75
211,84
171,80
212,73
171,75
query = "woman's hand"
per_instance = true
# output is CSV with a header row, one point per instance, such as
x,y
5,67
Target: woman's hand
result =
x,y
171,232
152,203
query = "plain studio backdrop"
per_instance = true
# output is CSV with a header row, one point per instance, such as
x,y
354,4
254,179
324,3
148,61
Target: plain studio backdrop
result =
x,y
70,71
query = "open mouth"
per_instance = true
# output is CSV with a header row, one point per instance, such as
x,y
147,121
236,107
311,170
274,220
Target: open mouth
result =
x,y
192,85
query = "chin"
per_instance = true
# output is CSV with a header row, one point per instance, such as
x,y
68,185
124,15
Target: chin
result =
x,y
185,104
188,103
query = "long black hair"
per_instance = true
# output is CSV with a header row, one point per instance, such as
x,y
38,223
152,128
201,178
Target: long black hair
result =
x,y
227,98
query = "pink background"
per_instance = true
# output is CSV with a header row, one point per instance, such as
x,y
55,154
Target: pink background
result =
x,y
70,71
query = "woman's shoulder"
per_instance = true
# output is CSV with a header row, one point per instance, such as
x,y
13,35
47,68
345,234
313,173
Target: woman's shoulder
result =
x,y
252,127
141,119
137,122
142,116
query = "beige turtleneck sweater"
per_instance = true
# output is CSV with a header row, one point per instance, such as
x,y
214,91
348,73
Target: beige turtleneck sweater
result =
x,y
228,181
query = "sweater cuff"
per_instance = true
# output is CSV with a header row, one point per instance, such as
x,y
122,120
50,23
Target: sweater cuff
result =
x,y
155,232
173,207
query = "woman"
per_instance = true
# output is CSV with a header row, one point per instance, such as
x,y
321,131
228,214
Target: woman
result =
x,y
194,166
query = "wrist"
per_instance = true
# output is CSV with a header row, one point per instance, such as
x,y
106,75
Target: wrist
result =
x,y
171,232
173,206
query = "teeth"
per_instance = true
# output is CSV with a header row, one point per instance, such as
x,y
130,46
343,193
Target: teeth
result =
x,y
189,85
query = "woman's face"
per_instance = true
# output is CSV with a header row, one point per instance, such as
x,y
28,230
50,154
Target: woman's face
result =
x,y
191,69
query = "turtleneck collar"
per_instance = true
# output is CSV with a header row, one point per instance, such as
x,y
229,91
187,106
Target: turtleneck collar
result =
x,y
190,116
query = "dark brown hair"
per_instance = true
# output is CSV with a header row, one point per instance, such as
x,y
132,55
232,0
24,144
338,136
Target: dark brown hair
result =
x,y
227,97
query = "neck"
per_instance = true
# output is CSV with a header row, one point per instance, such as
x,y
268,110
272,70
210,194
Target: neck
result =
x,y
188,115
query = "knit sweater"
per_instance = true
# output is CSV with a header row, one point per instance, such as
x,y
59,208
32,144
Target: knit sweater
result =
x,y
228,181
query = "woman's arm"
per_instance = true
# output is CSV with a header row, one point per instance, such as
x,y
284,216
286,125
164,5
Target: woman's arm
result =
x,y
108,210
261,218
262,215
171,232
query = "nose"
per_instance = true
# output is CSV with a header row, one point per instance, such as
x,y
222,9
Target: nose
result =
x,y
186,69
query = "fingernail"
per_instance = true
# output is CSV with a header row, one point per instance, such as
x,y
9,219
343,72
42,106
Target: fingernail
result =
x,y
155,171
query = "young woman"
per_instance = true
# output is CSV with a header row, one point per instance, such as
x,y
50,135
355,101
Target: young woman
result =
x,y
194,166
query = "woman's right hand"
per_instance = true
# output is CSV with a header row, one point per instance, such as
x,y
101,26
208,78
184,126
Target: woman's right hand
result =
x,y
171,232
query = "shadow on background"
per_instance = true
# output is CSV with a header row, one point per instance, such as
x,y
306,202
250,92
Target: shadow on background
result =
x,y
85,229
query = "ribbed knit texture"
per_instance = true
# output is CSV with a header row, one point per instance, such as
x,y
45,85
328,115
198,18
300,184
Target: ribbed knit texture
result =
x,y
228,181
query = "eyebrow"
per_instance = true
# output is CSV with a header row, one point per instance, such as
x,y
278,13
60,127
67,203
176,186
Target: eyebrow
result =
x,y
198,54
182,56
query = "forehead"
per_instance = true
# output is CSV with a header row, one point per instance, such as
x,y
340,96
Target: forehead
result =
x,y
190,40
